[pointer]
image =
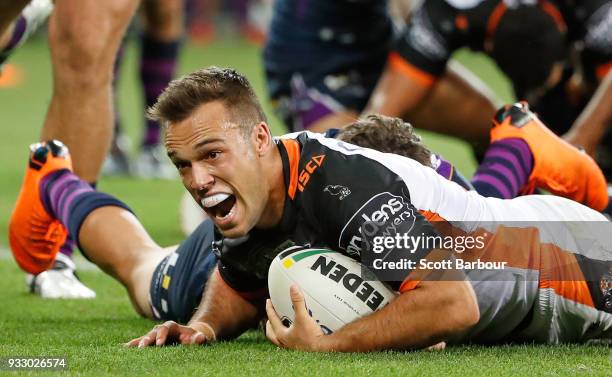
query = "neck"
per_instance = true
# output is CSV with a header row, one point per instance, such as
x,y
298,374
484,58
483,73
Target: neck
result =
x,y
276,198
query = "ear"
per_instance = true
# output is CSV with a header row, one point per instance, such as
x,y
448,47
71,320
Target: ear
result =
x,y
263,138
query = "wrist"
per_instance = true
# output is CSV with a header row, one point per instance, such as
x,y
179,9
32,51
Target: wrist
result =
x,y
326,343
205,329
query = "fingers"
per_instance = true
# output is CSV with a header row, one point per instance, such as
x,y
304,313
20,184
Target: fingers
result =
x,y
437,347
273,318
270,334
166,332
147,340
197,338
299,305
162,333
133,342
274,325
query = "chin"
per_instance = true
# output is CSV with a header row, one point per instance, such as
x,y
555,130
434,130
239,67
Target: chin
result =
x,y
234,232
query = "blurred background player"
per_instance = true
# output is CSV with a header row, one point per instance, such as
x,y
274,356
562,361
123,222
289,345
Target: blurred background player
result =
x,y
321,66
160,40
324,60
18,23
555,54
160,33
84,37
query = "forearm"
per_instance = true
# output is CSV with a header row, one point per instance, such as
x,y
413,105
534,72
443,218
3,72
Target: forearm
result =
x,y
224,311
419,318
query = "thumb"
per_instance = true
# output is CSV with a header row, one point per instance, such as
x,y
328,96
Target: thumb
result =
x,y
297,299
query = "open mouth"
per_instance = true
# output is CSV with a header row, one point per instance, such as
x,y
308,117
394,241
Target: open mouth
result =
x,y
219,206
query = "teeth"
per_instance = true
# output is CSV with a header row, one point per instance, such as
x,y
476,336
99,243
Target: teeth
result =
x,y
213,200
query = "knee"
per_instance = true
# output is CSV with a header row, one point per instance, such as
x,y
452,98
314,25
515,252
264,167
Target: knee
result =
x,y
76,53
84,44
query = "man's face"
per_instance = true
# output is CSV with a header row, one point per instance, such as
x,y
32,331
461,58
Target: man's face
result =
x,y
220,167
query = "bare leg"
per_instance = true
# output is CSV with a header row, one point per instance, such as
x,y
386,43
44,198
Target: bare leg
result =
x,y
129,255
84,37
460,105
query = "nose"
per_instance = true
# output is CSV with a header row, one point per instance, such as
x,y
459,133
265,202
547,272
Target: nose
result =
x,y
201,177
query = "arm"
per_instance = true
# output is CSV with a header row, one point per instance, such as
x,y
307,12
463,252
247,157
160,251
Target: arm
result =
x,y
592,124
224,311
424,316
222,314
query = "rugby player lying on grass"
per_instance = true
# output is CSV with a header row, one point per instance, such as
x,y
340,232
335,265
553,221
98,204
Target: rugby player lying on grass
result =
x,y
249,185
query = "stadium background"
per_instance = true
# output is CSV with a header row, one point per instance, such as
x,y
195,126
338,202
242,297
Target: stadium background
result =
x,y
90,332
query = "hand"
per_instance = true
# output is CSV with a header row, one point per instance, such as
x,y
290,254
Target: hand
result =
x,y
437,347
304,334
171,332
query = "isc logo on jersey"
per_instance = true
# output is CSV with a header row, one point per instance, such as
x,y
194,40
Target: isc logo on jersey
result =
x,y
383,215
335,291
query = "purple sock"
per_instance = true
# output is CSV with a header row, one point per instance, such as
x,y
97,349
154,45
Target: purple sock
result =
x,y
157,67
241,8
18,33
448,171
68,247
505,169
70,200
59,190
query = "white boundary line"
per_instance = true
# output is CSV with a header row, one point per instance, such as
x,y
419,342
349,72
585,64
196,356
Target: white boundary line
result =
x,y
81,263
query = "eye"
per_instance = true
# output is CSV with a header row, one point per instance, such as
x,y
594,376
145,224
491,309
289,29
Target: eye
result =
x,y
212,155
180,165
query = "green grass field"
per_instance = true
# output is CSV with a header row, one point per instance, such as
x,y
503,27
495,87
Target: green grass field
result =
x,y
90,333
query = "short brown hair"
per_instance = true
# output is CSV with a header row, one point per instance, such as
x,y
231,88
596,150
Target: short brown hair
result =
x,y
182,96
386,134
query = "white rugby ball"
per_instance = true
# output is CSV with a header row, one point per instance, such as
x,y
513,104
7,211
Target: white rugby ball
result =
x,y
334,288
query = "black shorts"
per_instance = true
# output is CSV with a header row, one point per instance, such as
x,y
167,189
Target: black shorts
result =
x,y
179,280
300,98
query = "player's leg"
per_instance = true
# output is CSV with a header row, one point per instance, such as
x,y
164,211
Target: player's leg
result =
x,y
557,166
84,38
117,162
160,43
9,11
18,20
179,280
459,105
54,202
112,238
574,302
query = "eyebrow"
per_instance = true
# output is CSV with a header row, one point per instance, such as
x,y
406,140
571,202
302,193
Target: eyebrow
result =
x,y
172,154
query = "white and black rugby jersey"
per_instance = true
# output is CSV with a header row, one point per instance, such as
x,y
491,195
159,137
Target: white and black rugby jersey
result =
x,y
337,192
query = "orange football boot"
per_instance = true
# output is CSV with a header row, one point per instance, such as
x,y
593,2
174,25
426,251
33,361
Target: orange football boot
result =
x,y
34,235
559,167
